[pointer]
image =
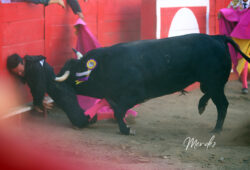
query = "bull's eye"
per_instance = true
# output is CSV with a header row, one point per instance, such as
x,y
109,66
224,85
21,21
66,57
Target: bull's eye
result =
x,y
91,64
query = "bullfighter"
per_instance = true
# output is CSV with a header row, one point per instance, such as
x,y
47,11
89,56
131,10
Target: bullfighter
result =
x,y
39,75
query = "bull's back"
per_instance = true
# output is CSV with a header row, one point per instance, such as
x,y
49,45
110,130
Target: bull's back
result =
x,y
158,66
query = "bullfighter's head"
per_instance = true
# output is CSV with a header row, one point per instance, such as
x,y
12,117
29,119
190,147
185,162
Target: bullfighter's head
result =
x,y
15,65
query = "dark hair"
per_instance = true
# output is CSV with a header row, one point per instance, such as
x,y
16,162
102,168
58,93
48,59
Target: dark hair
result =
x,y
13,61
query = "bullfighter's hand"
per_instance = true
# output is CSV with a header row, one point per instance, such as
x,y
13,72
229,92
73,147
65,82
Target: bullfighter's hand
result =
x,y
80,15
219,15
47,105
38,109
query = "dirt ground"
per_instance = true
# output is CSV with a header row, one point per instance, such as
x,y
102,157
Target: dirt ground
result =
x,y
161,127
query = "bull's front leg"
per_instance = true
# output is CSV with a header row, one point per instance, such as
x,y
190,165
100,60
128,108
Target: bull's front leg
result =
x,y
120,108
124,129
120,116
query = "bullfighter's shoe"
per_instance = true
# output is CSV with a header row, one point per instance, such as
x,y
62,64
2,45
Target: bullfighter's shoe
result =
x,y
244,91
93,120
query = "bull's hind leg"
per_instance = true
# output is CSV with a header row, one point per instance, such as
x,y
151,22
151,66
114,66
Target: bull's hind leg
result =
x,y
220,100
204,99
124,128
203,103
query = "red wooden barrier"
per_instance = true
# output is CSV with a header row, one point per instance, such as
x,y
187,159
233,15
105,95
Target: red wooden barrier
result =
x,y
118,21
59,35
21,30
34,29
111,21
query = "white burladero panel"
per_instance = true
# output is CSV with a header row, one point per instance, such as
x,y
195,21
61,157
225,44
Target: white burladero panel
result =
x,y
184,22
184,18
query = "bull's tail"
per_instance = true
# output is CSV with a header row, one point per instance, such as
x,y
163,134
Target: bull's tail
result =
x,y
236,47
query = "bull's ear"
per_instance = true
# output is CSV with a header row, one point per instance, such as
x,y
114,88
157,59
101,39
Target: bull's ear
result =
x,y
78,54
63,77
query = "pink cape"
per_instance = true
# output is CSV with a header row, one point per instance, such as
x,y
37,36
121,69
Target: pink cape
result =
x,y
86,41
235,23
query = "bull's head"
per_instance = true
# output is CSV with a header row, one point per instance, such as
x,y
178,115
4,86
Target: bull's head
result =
x,y
67,66
73,65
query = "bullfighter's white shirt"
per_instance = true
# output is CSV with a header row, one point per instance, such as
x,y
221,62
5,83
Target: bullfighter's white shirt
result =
x,y
42,62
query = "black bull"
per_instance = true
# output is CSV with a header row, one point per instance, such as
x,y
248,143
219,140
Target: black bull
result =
x,y
130,73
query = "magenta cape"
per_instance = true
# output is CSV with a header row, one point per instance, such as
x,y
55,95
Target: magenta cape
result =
x,y
235,23
86,41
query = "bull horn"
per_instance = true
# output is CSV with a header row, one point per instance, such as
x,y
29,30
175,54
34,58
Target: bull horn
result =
x,y
78,54
63,77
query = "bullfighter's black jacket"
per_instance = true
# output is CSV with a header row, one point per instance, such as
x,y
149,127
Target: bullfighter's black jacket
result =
x,y
37,74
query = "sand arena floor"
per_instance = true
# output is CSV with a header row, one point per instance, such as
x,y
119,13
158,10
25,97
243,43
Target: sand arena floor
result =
x,y
161,127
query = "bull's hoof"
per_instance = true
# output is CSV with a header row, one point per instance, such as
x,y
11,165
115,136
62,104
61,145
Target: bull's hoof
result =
x,y
216,131
128,131
125,130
